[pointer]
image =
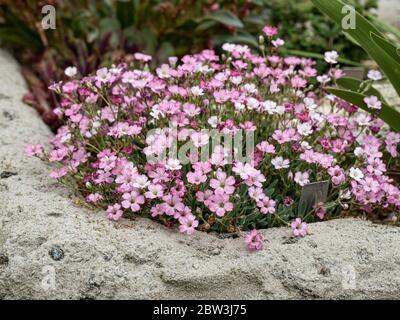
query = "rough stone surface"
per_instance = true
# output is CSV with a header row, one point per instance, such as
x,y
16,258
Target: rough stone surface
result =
x,y
389,11
44,236
390,94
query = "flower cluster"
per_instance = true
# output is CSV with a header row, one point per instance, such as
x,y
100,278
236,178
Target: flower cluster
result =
x,y
121,121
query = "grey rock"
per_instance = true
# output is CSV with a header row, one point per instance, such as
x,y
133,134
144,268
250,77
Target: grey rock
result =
x,y
141,259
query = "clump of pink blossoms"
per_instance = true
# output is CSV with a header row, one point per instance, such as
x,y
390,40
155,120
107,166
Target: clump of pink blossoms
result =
x,y
122,121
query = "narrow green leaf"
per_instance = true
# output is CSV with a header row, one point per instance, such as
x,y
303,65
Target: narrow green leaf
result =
x,y
318,56
385,27
125,12
225,17
387,113
354,84
385,45
362,34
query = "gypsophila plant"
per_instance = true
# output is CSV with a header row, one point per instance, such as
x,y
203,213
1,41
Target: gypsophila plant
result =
x,y
146,143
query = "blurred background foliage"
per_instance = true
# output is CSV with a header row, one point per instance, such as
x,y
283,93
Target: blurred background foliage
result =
x,y
92,33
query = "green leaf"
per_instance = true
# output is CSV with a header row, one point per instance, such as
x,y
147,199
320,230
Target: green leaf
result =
x,y
385,45
205,25
387,113
318,56
385,27
354,84
125,12
239,39
225,17
362,34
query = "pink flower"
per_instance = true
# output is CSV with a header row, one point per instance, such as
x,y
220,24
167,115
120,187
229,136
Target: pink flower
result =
x,y
196,177
256,193
157,210
173,205
199,139
188,224
220,204
94,197
298,82
245,171
114,212
58,173
155,191
222,183
373,102
34,150
142,57
370,185
254,240
299,228
337,175
132,200
266,205
374,75
266,147
280,163
205,196
320,211
58,154
376,166
107,163
270,31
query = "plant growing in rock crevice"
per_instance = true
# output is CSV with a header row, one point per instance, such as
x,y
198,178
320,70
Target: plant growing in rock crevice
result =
x,y
120,122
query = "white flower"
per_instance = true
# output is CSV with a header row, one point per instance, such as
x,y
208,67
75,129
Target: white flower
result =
x,y
164,71
172,61
330,97
252,103
269,106
213,121
71,71
302,178
102,75
274,88
280,163
156,112
373,102
304,129
199,139
358,152
363,119
346,194
280,110
173,164
310,103
331,57
305,145
356,174
278,43
197,91
228,47
323,79
374,75
141,181
239,106
250,88
236,80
